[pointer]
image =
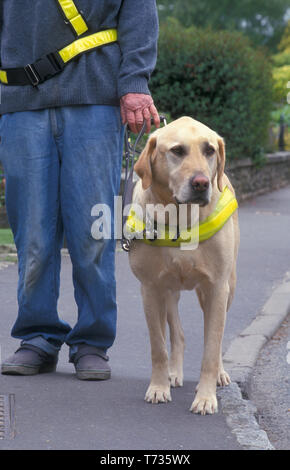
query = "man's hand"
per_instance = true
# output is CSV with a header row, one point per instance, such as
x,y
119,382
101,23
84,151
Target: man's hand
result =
x,y
137,108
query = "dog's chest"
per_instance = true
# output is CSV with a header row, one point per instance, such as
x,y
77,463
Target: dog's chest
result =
x,y
182,269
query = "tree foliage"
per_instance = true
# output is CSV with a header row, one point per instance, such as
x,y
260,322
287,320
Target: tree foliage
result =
x,y
263,21
218,79
281,71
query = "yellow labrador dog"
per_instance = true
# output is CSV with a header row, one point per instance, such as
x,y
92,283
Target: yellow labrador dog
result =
x,y
183,163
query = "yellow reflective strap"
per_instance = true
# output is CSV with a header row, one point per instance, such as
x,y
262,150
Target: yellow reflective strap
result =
x,y
3,77
87,43
79,25
134,224
225,208
73,16
69,8
207,230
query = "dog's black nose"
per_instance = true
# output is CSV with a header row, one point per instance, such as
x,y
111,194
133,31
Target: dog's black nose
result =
x,y
200,182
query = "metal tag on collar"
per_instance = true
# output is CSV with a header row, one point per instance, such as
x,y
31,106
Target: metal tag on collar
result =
x,y
150,231
125,245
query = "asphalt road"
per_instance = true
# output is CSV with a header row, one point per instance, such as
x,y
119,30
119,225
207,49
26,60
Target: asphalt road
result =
x,y
57,411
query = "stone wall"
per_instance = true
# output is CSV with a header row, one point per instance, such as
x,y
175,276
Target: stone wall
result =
x,y
249,180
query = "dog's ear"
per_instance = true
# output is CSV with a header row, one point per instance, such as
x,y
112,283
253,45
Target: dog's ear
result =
x,y
221,163
143,165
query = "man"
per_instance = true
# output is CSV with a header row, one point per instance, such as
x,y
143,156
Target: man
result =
x,y
61,147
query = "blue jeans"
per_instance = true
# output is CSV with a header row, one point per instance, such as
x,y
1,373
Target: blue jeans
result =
x,y
58,164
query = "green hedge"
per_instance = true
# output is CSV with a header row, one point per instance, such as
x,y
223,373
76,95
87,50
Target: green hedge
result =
x,y
218,79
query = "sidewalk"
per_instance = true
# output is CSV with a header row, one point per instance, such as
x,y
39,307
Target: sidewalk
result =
x,y
57,411
269,387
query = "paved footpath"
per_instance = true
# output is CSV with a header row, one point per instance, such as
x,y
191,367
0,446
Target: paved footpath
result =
x,y
56,411
270,387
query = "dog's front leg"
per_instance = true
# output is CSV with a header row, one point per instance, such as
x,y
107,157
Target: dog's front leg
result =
x,y
176,339
214,307
155,310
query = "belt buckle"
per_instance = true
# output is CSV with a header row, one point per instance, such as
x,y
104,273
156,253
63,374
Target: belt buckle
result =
x,y
31,74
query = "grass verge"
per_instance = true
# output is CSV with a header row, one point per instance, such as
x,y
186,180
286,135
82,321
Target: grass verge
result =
x,y
6,236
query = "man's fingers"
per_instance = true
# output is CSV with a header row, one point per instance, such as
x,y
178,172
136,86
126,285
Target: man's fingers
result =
x,y
135,119
132,121
155,115
137,108
147,118
139,119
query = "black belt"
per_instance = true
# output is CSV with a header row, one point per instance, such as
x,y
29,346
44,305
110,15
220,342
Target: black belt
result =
x,y
36,73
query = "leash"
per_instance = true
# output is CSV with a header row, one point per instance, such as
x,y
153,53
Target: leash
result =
x,y
130,153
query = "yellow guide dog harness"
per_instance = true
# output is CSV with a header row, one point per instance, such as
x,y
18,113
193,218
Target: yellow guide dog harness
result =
x,y
53,63
225,208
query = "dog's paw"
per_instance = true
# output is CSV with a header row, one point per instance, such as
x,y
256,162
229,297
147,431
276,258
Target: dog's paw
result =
x,y
176,379
158,394
223,379
204,404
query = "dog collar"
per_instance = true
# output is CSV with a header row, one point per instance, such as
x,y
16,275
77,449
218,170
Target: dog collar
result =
x,y
226,206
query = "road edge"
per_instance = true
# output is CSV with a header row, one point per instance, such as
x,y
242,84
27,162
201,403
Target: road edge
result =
x,y
239,361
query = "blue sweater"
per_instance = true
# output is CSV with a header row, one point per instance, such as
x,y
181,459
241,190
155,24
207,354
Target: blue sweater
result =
x,y
31,29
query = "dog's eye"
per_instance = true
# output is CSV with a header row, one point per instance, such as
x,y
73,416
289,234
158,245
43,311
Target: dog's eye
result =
x,y
178,150
208,150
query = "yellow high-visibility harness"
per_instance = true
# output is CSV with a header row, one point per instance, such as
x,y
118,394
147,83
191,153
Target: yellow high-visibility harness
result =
x,y
225,208
53,63
73,16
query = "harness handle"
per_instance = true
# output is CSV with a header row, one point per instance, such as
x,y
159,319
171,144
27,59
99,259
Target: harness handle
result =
x,y
130,153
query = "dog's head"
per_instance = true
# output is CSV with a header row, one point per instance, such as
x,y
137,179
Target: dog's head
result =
x,y
185,157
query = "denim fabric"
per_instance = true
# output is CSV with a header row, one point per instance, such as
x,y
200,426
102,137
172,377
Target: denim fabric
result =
x,y
43,344
58,164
